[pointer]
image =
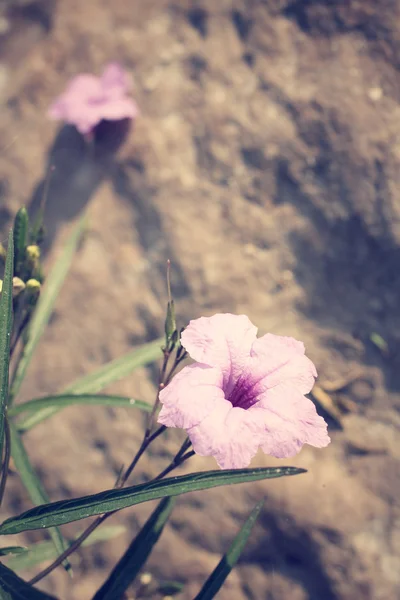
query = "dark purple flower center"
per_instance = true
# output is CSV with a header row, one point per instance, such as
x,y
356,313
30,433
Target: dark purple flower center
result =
x,y
243,393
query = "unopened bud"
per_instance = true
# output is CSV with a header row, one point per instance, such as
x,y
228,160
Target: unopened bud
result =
x,y
33,260
170,322
146,578
33,253
32,288
18,286
1,284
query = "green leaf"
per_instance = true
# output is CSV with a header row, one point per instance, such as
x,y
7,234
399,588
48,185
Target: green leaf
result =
x,y
66,511
46,304
44,551
33,486
83,399
229,560
127,568
21,226
13,587
99,379
12,550
6,318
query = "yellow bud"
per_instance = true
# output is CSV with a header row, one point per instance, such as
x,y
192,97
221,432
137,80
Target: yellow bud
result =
x,y
33,253
32,290
146,578
33,286
3,253
1,284
18,286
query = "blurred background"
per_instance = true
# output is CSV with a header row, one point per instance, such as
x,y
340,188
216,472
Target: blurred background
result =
x,y
266,165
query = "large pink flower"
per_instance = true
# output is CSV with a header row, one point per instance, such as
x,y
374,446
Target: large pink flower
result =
x,y
89,99
243,393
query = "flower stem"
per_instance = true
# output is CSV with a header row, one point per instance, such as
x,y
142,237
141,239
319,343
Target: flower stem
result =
x,y
175,463
144,445
148,438
181,456
6,461
74,546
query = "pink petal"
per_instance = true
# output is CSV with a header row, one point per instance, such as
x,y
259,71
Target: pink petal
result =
x,y
82,87
288,346
115,78
120,108
73,106
276,359
229,434
84,117
223,341
289,420
191,396
89,99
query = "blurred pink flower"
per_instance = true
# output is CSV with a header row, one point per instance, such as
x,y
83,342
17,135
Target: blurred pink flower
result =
x,y
243,393
89,99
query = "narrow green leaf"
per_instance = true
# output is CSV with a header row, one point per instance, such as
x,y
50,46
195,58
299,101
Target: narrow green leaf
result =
x,y
21,226
13,587
117,369
45,551
46,304
127,568
66,511
12,550
99,379
83,399
6,318
33,486
229,560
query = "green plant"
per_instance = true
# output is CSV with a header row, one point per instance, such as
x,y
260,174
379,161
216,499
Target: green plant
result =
x,y
26,304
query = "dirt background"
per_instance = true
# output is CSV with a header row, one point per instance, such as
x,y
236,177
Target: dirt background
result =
x,y
266,166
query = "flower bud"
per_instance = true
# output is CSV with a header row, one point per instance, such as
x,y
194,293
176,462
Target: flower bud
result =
x,y
3,254
146,578
33,253
32,289
170,323
18,286
33,260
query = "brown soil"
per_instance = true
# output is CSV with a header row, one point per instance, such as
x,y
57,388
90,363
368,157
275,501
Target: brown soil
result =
x,y
266,166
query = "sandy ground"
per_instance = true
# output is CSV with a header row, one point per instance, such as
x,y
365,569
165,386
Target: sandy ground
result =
x,y
265,165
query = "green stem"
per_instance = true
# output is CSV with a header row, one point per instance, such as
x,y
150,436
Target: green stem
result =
x,y
177,461
6,461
